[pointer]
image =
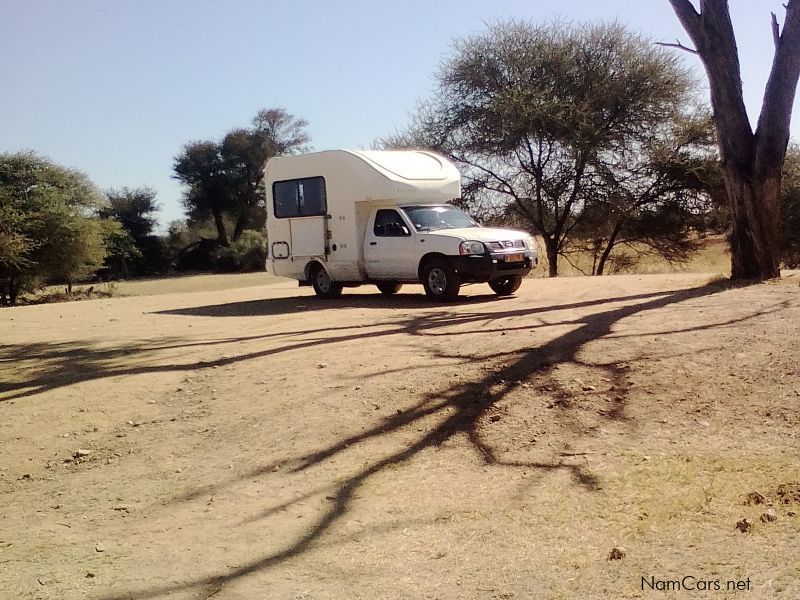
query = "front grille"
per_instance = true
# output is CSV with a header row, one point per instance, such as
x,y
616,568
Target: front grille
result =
x,y
506,245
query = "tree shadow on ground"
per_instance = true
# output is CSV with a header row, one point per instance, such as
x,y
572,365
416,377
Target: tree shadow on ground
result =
x,y
299,304
63,364
460,408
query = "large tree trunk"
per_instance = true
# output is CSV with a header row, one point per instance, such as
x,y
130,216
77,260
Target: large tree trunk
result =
x,y
222,235
751,161
241,224
551,249
754,205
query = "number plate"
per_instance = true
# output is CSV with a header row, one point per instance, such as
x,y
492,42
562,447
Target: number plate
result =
x,y
515,257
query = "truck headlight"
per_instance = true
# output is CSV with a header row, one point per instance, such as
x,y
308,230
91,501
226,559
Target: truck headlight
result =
x,y
530,243
469,248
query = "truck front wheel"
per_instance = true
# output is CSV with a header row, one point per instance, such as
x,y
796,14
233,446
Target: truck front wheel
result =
x,y
505,286
324,287
440,280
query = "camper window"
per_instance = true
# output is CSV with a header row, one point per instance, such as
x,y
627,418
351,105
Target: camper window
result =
x,y
300,197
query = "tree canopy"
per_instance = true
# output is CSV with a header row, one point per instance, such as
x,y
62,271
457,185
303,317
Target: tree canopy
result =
x,y
225,178
50,226
539,115
134,209
135,250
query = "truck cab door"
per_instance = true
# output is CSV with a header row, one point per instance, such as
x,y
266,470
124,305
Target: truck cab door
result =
x,y
389,246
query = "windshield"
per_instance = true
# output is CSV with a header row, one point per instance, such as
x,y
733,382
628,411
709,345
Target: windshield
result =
x,y
431,218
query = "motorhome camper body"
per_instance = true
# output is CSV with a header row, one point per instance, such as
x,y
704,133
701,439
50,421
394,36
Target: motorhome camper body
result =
x,y
341,218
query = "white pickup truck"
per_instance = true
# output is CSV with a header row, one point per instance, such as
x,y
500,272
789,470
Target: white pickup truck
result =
x,y
343,218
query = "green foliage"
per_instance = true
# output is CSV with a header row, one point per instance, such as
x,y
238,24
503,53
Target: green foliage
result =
x,y
790,209
75,247
15,245
207,189
135,250
224,179
248,253
134,209
653,196
192,249
190,244
587,87
122,253
50,229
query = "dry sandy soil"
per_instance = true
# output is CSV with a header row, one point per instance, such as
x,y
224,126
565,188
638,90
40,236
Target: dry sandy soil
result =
x,y
259,443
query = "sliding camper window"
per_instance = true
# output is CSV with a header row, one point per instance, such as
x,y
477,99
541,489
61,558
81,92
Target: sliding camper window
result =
x,y
300,198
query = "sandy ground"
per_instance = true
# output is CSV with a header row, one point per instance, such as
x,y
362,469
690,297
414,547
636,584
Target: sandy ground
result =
x,y
259,443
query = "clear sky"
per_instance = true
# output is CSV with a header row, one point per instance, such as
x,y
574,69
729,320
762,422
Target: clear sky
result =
x,y
116,87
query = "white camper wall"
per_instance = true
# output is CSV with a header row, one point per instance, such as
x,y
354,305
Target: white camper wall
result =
x,y
341,185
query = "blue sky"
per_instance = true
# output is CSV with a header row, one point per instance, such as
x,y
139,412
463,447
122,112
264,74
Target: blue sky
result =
x,y
115,88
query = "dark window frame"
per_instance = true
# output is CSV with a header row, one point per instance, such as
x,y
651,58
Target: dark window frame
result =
x,y
402,222
298,213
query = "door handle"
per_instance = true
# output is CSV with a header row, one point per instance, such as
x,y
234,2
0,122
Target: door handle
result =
x,y
373,243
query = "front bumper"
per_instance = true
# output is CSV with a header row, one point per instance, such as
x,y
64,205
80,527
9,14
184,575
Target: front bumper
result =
x,y
486,267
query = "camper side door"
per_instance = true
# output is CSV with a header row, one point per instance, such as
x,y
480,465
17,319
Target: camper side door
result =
x,y
303,203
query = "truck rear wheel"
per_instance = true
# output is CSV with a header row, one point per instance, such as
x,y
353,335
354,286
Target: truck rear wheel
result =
x,y
389,288
440,280
324,287
504,286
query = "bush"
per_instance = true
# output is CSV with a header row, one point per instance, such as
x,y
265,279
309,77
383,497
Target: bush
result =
x,y
790,209
50,228
248,253
790,230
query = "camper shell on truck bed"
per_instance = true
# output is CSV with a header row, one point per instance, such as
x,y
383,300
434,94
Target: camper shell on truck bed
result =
x,y
325,211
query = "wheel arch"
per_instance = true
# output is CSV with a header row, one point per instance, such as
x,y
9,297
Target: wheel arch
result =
x,y
311,267
426,259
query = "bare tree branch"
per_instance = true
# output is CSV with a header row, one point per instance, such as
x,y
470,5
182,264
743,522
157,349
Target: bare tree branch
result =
x,y
565,256
679,46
